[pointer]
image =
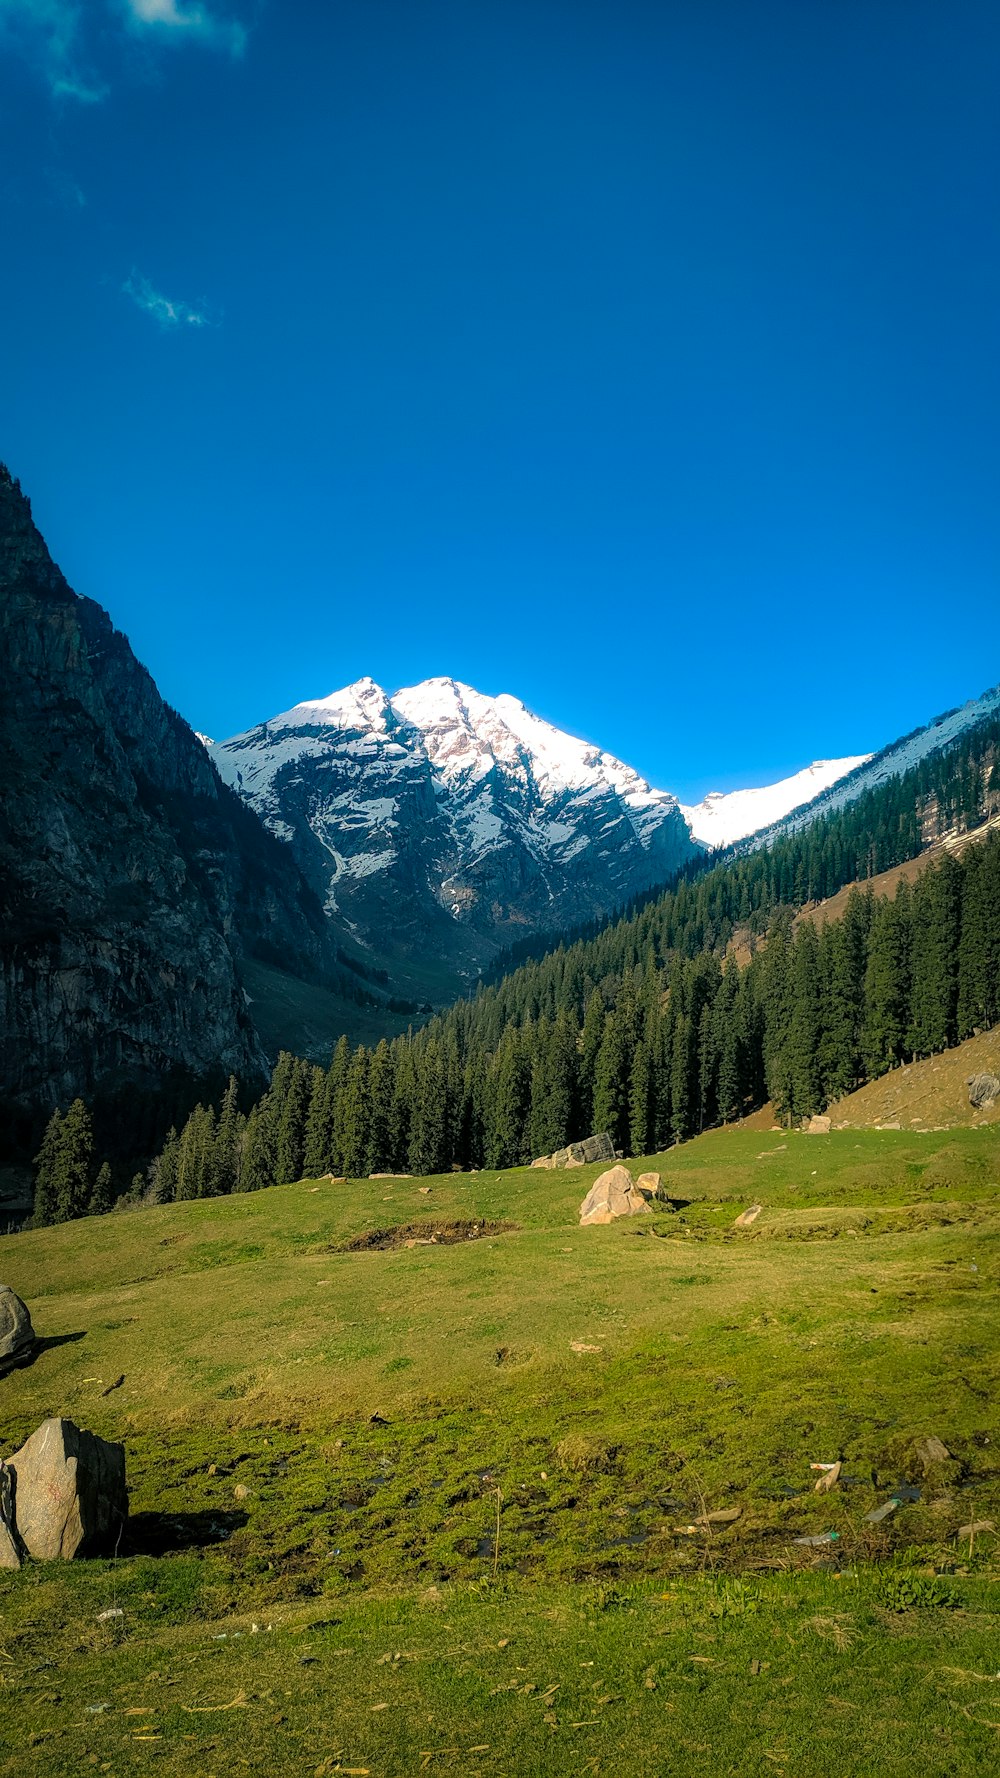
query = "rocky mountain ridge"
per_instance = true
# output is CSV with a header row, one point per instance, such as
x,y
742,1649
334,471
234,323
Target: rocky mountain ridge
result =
x,y
442,819
133,881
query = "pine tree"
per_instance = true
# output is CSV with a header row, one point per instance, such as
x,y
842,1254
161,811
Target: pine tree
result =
x,y
640,1101
611,1083
934,948
316,1150
258,1166
71,1164
352,1117
508,1098
887,985
196,1156
683,1086
381,1092
292,1099
591,1039
46,1202
103,1196
428,1151
730,1088
165,1170
228,1141
797,1071
337,1079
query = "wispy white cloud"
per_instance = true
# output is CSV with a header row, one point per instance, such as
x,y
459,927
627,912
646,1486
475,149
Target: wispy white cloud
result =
x,y
47,33
190,21
165,311
62,38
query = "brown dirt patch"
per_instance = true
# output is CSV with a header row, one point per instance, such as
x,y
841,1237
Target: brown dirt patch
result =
x,y
424,1234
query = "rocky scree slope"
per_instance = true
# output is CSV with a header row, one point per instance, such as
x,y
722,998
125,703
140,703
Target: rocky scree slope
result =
x,y
441,820
132,881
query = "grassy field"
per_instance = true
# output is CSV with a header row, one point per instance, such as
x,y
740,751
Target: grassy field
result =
x,y
455,1486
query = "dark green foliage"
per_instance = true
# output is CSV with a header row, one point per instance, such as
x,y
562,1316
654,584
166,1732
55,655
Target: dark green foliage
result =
x,y
45,1183
70,1175
103,1196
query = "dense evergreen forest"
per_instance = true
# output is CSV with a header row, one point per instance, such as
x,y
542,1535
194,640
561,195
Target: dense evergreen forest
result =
x,y
653,1029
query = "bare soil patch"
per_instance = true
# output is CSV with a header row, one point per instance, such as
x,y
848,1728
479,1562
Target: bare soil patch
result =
x,y
424,1234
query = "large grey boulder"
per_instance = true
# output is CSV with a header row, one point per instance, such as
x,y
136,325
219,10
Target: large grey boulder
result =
x,y
69,1492
580,1154
611,1196
983,1090
17,1336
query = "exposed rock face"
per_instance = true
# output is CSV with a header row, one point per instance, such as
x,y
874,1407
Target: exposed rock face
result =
x,y
133,881
818,1125
984,1090
441,820
17,1336
579,1154
69,1492
612,1195
651,1187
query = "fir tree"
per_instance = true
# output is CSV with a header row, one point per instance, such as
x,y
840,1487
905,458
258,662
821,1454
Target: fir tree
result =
x,y
228,1140
165,1170
611,1083
103,1197
640,1101
352,1117
887,986
381,1093
292,1111
71,1164
46,1201
316,1148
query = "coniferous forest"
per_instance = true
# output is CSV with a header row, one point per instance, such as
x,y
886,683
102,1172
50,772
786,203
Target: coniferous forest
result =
x,y
713,998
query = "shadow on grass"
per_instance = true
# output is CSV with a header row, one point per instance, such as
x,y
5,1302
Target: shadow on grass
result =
x,y
157,1534
24,1360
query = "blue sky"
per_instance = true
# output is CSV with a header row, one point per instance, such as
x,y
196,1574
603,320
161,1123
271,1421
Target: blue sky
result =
x,y
639,359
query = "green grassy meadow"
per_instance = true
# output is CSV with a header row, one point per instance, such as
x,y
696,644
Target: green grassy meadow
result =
x,y
443,1480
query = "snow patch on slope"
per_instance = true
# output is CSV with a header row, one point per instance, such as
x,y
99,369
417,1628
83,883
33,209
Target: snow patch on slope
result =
x,y
725,817
891,762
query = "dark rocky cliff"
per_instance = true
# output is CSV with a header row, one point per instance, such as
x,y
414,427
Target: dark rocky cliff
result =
x,y
133,882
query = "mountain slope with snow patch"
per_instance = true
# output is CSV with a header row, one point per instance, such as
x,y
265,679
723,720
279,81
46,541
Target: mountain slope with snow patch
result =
x,y
727,816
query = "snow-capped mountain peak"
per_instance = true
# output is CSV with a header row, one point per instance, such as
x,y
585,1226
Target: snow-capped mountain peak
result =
x,y
441,800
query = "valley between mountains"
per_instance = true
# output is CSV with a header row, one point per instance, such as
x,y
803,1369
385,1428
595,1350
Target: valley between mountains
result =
x,y
428,1469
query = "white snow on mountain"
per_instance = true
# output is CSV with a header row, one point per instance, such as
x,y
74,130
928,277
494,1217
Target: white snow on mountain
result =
x,y
439,800
467,739
725,817
891,762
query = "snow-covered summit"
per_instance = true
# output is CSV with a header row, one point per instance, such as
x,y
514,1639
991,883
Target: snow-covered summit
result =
x,y
724,817
440,797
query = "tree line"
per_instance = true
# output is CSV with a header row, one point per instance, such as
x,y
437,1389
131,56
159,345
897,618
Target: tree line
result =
x,y
704,1003
660,1053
